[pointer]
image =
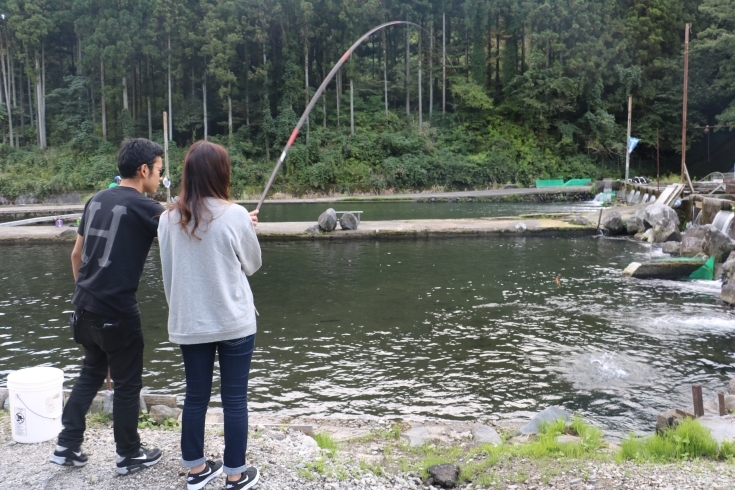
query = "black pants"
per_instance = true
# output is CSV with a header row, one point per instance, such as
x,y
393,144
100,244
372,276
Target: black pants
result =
x,y
116,343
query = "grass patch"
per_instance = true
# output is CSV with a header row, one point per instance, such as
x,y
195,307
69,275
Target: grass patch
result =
x,y
98,418
547,445
326,441
688,440
145,421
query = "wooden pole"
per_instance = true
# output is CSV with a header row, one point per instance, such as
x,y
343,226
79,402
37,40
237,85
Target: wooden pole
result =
x,y
721,402
627,143
698,401
165,153
658,164
444,63
684,106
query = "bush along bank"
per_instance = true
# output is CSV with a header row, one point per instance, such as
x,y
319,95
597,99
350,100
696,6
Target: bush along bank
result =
x,y
391,156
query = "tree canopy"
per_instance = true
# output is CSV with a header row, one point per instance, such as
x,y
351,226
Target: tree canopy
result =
x,y
533,89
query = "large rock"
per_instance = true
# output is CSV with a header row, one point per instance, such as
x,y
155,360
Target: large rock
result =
x,y
717,244
614,224
666,420
640,222
107,402
485,434
691,246
328,220
696,231
671,248
160,413
727,294
729,402
631,226
416,436
443,475
728,271
664,221
546,416
731,386
348,221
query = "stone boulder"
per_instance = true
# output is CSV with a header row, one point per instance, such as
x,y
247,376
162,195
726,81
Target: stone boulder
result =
x,y
443,475
415,436
696,231
731,386
666,420
160,413
664,221
717,244
328,220
614,224
728,271
348,221
671,248
691,246
485,434
547,415
640,221
727,294
729,402
631,226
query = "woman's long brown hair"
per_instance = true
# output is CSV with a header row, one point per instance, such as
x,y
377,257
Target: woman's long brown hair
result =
x,y
206,173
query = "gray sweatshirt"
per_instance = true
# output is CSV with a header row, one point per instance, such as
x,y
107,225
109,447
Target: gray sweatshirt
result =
x,y
205,281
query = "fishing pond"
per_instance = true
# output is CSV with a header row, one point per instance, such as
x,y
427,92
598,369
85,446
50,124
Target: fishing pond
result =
x,y
453,328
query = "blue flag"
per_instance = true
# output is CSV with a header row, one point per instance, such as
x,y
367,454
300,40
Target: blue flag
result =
x,y
632,142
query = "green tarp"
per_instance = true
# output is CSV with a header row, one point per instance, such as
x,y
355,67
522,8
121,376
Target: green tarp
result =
x,y
561,183
707,271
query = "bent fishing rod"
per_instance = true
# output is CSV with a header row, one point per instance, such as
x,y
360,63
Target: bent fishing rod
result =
x,y
316,96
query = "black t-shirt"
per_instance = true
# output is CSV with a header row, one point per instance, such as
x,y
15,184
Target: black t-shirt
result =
x,y
118,226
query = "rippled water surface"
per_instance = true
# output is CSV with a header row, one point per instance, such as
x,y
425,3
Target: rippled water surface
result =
x,y
389,210
451,328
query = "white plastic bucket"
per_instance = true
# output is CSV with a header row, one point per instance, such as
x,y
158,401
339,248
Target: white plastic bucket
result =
x,y
36,402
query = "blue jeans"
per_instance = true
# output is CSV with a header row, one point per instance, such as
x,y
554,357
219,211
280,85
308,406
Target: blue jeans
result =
x,y
234,362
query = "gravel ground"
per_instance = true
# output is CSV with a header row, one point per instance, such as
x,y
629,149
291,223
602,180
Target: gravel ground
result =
x,y
290,460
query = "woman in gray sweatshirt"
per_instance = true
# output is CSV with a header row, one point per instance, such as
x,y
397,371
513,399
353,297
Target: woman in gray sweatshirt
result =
x,y
208,248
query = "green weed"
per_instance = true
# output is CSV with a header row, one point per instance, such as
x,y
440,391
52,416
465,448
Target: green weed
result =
x,y
688,440
326,441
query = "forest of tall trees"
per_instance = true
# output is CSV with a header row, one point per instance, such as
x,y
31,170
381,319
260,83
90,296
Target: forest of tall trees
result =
x,y
484,92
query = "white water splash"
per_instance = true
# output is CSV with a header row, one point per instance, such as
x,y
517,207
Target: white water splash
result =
x,y
607,367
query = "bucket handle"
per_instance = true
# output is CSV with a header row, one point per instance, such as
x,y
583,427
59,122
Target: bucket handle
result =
x,y
34,413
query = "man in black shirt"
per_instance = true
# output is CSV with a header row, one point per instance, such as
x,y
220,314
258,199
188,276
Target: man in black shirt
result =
x,y
114,237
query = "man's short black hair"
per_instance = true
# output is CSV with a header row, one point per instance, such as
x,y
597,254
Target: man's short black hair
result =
x,y
135,152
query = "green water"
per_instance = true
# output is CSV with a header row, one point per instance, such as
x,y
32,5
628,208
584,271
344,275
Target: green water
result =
x,y
450,328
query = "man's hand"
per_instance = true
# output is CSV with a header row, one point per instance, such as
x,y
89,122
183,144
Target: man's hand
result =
x,y
254,217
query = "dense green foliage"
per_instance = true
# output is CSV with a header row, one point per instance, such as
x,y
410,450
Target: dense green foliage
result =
x,y
535,89
688,440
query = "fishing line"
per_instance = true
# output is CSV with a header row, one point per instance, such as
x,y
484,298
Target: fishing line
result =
x,y
316,96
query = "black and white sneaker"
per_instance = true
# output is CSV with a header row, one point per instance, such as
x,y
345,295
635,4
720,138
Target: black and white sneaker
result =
x,y
195,481
144,459
68,457
248,479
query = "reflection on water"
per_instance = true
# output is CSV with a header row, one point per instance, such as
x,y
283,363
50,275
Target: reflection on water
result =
x,y
452,328
382,211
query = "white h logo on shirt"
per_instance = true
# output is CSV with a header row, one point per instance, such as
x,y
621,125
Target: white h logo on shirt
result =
x,y
109,235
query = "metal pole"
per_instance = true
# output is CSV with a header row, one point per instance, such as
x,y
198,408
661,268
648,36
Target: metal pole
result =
x,y
627,143
165,153
684,108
